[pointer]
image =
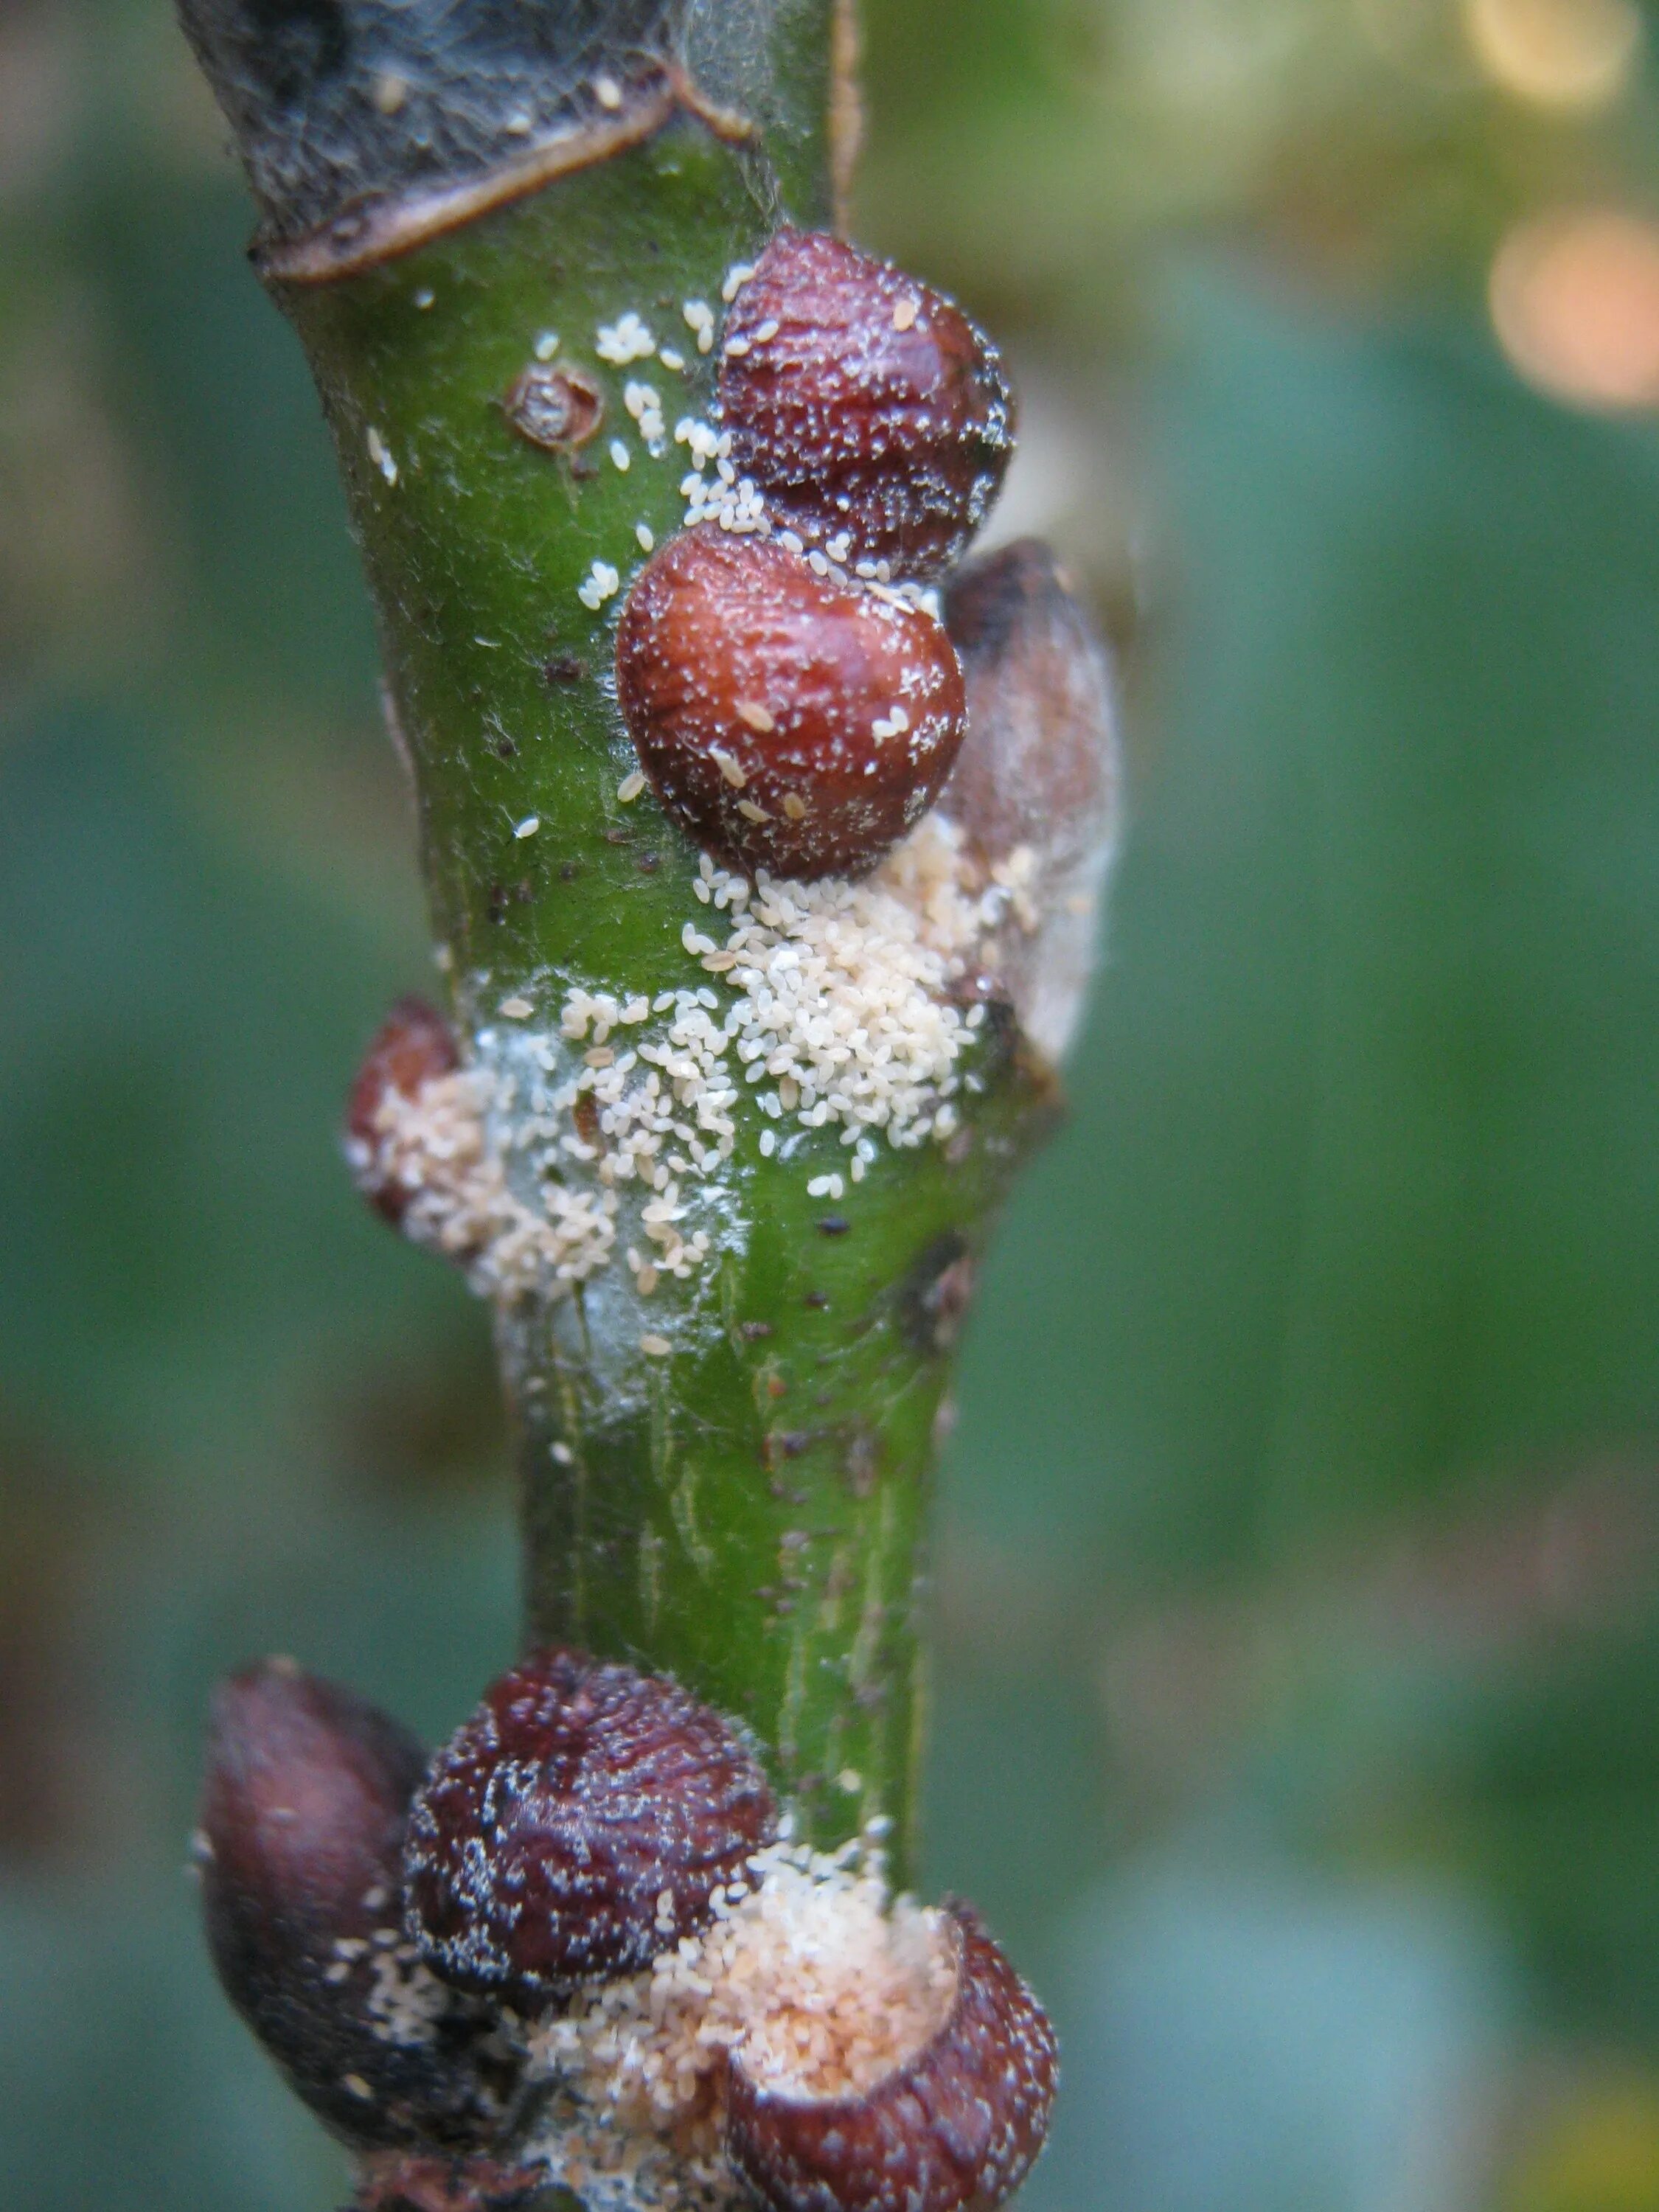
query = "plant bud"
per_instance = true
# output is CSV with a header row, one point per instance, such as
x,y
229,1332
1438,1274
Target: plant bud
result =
x,y
299,1846
575,1826
957,2128
791,722
413,1046
862,403
1036,784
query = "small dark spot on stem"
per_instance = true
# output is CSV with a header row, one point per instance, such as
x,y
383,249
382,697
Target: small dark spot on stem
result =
x,y
862,1463
934,1296
818,1300
564,668
617,837
497,908
505,749
569,871
648,864
834,1224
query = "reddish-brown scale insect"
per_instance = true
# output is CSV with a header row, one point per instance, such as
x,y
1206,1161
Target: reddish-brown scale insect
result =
x,y
791,722
414,1045
575,1826
860,402
957,2128
299,1848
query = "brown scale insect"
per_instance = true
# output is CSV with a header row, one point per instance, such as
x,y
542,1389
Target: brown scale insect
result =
x,y
299,1846
861,402
956,2129
414,1045
791,722
575,1826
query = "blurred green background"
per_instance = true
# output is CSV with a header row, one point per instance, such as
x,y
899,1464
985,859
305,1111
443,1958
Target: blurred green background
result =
x,y
1297,1710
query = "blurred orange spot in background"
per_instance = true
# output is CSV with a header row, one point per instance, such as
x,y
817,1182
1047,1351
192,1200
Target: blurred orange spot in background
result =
x,y
1575,302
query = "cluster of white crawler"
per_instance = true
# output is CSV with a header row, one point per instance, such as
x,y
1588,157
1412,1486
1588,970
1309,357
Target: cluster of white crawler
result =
x,y
845,1016
808,1975
645,406
830,1009
734,504
727,498
435,1149
649,1107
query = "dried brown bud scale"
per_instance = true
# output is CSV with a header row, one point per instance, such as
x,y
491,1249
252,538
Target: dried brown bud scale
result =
x,y
862,402
577,1825
956,2129
791,722
1036,781
414,1045
300,1847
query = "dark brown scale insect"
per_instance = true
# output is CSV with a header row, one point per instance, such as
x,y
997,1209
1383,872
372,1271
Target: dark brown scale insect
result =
x,y
300,1849
575,1826
860,402
414,1045
790,722
957,2128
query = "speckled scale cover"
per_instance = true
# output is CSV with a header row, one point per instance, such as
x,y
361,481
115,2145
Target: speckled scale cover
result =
x,y
955,2130
413,1045
300,1842
553,1822
874,406
723,633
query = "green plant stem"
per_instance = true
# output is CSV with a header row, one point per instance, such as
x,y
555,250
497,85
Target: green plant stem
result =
x,y
748,1512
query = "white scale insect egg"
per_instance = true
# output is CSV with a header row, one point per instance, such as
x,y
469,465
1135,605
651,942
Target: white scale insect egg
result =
x,y
603,583
625,340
